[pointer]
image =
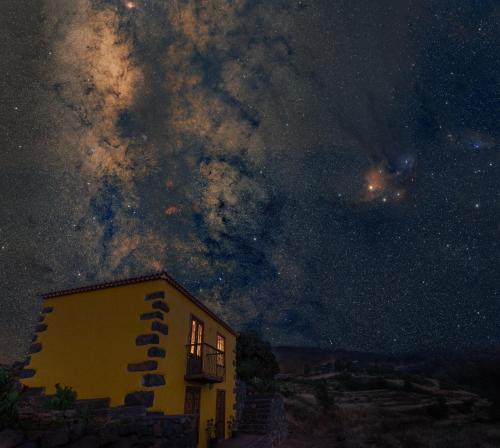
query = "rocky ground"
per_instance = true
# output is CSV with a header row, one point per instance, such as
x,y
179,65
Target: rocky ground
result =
x,y
356,410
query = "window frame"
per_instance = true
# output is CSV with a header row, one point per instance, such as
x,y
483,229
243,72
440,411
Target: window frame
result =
x,y
196,343
221,358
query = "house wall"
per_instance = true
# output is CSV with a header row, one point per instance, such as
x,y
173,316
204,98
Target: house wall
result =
x,y
89,341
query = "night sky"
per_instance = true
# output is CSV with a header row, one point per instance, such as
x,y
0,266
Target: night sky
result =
x,y
323,171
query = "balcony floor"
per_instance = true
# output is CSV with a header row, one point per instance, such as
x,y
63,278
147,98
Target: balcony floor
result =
x,y
203,378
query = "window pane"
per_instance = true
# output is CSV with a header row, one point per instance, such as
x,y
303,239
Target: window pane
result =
x,y
221,346
193,336
200,337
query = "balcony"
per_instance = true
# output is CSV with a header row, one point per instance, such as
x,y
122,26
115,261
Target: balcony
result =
x,y
205,364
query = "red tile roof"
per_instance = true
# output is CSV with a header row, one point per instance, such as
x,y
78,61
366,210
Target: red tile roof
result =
x,y
145,278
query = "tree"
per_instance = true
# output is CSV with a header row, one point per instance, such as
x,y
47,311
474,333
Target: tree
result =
x,y
254,359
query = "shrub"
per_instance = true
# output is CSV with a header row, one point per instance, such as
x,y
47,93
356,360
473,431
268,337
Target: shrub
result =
x,y
417,379
6,382
307,369
8,409
439,409
322,394
408,385
495,407
447,385
342,365
211,429
262,386
8,399
286,390
64,398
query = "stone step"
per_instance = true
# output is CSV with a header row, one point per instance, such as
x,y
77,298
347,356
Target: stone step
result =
x,y
259,419
256,411
254,424
259,400
254,430
254,418
251,407
258,405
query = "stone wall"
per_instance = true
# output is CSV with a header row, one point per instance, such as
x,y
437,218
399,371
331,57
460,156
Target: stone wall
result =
x,y
92,424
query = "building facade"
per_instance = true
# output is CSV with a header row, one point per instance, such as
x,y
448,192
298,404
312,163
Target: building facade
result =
x,y
145,341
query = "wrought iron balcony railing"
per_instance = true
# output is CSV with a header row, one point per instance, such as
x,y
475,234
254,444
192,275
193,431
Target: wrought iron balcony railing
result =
x,y
205,363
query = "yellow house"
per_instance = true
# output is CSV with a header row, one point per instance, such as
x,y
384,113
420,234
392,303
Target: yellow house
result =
x,y
143,340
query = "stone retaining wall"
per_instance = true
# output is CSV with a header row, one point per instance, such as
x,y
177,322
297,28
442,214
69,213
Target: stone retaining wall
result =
x,y
91,424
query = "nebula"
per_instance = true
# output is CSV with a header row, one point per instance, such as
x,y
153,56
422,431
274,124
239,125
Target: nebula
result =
x,y
311,170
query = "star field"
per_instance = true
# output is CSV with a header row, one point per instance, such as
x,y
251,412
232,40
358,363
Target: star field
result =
x,y
324,172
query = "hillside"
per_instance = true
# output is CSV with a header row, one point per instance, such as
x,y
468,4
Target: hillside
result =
x,y
354,400
356,410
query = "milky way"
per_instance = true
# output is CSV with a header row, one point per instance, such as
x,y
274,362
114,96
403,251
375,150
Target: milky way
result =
x,y
324,172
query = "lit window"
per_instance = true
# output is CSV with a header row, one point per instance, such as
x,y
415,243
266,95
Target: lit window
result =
x,y
221,347
196,336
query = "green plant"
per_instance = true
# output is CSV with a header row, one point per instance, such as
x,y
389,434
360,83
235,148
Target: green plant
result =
x,y
6,382
64,398
231,425
8,409
211,429
8,399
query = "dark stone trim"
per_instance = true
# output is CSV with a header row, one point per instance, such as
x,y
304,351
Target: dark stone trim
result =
x,y
146,339
142,366
27,373
155,295
48,309
27,361
140,398
93,403
34,338
159,305
41,327
35,348
152,315
156,352
41,318
152,380
158,326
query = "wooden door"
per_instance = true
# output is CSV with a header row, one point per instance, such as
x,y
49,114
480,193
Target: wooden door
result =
x,y
220,414
192,406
